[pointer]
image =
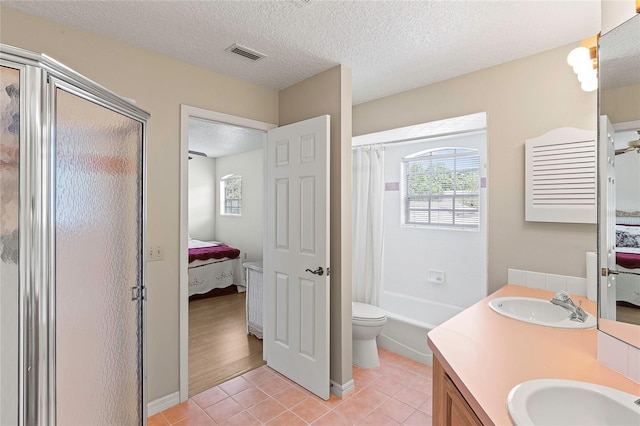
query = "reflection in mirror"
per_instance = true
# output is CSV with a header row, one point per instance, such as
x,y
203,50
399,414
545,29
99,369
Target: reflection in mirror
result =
x,y
619,225
627,226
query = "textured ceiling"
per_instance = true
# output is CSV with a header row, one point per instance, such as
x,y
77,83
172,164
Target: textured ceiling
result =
x,y
217,139
619,56
391,46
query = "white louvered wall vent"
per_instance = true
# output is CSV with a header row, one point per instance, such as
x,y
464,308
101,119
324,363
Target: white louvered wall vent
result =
x,y
245,52
561,181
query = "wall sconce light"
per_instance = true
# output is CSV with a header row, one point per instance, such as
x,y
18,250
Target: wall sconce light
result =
x,y
584,62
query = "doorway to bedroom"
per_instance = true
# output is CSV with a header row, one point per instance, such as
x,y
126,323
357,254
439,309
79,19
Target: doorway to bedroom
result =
x,y
222,226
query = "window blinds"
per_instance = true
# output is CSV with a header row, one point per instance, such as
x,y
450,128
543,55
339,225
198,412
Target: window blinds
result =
x,y
561,177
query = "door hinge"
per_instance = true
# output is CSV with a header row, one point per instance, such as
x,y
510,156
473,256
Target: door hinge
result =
x,y
328,271
138,293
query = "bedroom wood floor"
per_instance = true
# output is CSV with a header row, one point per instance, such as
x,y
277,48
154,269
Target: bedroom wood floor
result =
x,y
219,347
628,314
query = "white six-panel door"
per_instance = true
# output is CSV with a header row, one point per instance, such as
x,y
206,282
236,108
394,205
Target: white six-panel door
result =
x,y
607,217
297,222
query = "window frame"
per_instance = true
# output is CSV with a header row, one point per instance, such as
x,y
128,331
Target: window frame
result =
x,y
224,181
431,155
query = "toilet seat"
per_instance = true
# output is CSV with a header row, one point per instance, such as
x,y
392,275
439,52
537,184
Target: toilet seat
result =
x,y
367,314
369,323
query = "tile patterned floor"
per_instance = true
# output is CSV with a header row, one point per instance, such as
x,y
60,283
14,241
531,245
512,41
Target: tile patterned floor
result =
x,y
398,392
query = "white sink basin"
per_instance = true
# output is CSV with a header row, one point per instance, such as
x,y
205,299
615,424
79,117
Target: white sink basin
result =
x,y
538,311
568,402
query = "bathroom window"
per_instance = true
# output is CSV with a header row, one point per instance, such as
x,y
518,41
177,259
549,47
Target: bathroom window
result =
x,y
231,195
441,188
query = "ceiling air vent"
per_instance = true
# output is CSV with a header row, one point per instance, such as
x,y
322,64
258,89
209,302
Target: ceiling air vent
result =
x,y
245,52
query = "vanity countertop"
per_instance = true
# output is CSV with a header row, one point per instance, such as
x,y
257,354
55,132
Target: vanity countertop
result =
x,y
487,354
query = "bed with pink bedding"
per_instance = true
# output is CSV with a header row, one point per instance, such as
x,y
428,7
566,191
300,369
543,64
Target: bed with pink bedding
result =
x,y
212,265
213,252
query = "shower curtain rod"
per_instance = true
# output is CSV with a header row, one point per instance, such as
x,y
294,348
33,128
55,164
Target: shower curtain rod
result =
x,y
423,138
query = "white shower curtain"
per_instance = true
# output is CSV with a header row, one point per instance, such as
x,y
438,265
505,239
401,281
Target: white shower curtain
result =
x,y
367,194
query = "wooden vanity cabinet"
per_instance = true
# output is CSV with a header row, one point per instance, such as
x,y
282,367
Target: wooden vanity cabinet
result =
x,y
449,406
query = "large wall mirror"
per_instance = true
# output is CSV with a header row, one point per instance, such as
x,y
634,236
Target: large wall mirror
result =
x,y
619,168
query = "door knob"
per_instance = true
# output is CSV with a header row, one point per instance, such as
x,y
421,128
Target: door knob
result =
x,y
318,271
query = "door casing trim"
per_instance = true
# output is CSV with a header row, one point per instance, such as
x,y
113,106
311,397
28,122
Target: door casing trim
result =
x,y
186,112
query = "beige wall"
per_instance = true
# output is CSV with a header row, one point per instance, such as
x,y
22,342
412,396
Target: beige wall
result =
x,y
621,104
614,13
330,93
202,198
244,232
159,85
523,99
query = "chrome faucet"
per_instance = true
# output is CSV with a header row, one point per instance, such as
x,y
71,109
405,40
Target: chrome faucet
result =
x,y
577,313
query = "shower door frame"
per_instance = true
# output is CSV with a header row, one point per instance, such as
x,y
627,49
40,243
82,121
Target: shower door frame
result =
x,y
23,217
40,75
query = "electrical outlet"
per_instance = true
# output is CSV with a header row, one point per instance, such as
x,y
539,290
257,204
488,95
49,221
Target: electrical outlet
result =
x,y
435,276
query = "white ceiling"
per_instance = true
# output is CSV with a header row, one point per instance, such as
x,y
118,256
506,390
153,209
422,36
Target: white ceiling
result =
x,y
218,140
619,56
391,46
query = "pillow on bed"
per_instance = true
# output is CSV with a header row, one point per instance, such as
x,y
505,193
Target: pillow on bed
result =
x,y
624,213
199,244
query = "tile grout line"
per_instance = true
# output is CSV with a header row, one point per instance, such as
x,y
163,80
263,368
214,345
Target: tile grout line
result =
x,y
393,371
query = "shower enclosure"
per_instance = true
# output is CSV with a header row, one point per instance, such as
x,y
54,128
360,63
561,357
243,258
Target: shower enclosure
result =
x,y
72,223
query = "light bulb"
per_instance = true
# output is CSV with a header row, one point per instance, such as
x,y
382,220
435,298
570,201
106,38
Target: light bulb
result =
x,y
578,55
590,85
583,67
586,75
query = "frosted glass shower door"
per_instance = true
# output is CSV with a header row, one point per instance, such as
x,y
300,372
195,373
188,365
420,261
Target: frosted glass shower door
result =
x,y
98,266
9,248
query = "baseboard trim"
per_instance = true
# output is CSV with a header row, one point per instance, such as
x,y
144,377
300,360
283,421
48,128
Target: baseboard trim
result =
x,y
340,390
161,404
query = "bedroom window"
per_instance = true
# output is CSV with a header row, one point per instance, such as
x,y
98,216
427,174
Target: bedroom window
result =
x,y
231,195
440,188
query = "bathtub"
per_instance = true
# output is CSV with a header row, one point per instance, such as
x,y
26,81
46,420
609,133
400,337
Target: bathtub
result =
x,y
409,319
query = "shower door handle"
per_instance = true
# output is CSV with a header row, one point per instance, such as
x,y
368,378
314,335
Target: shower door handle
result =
x,y
138,293
318,271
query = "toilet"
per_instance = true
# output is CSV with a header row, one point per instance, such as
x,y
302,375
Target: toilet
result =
x,y
367,322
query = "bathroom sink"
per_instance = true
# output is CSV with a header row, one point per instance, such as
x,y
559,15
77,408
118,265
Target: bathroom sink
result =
x,y
538,311
569,402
